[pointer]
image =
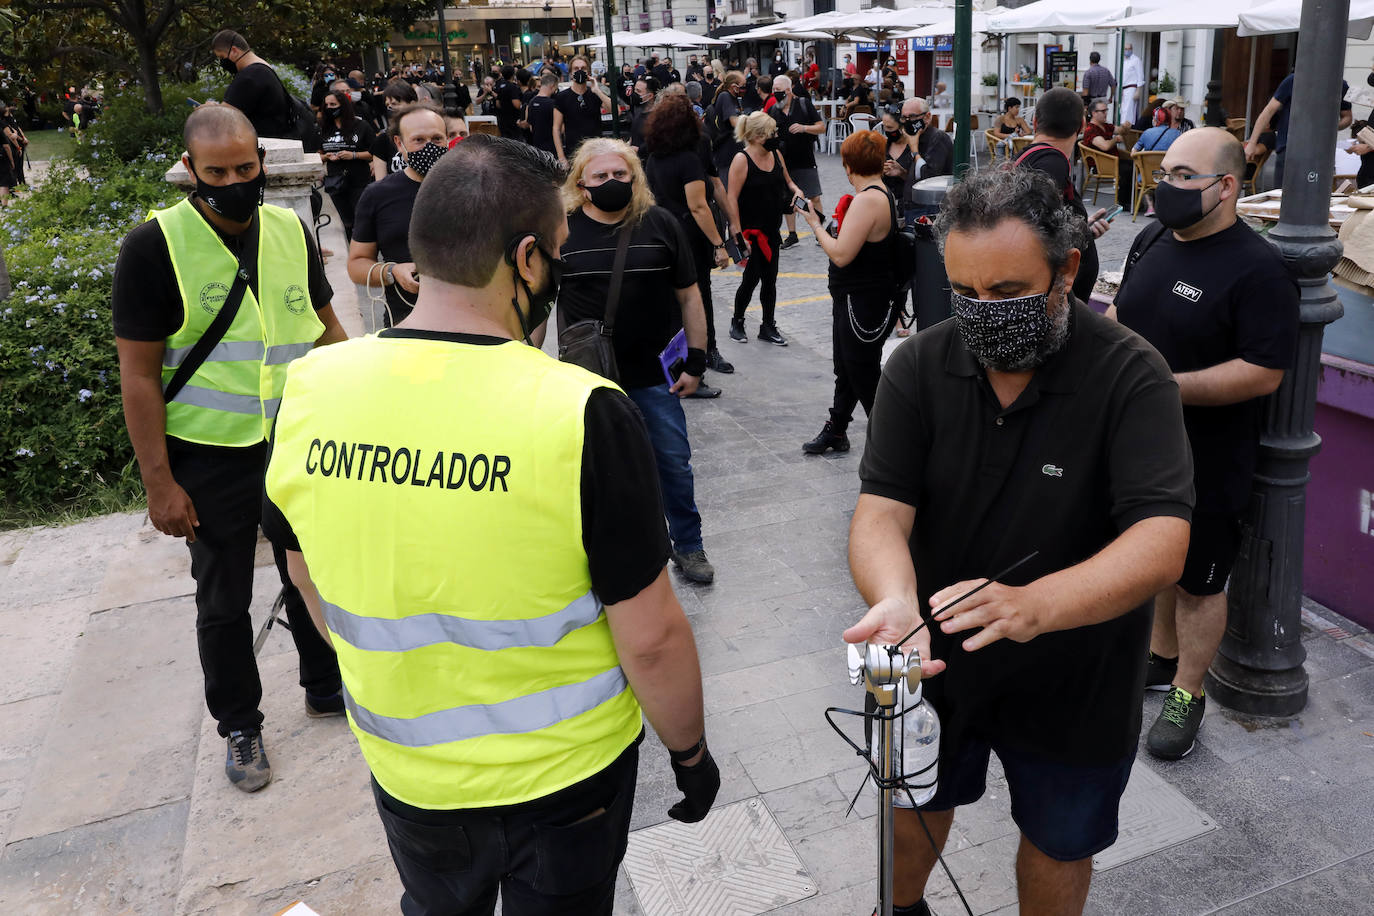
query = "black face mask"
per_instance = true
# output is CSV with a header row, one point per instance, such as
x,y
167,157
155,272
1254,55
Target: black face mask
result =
x,y
579,76
780,96
913,126
235,202
542,302
228,66
612,195
333,114
894,135
1179,208
772,143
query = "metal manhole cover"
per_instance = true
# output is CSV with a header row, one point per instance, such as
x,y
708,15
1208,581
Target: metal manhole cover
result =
x,y
1153,816
735,863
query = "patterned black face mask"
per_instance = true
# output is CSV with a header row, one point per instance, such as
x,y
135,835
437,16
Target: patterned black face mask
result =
x,y
1008,335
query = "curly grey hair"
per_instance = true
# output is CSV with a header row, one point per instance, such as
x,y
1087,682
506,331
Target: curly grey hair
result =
x,y
984,199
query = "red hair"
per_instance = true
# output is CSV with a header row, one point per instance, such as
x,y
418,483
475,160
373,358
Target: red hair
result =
x,y
864,152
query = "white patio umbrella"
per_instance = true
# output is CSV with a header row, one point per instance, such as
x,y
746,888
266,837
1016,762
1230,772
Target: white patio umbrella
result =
x,y
946,26
879,24
619,39
1283,16
1059,16
676,38
1213,14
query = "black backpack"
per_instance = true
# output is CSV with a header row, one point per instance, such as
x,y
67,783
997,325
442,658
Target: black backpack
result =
x,y
298,120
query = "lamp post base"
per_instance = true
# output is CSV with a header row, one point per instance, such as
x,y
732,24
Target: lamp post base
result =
x,y
1256,692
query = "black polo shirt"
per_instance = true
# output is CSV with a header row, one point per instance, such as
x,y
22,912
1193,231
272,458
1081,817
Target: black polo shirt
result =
x,y
1202,303
1093,445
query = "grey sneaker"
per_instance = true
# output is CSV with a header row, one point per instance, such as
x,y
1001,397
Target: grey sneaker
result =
x,y
1174,733
246,762
695,566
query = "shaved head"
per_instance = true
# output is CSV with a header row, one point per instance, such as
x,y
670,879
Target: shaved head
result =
x,y
219,122
1210,149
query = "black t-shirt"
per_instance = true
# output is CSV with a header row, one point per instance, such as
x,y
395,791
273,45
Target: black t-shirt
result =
x,y
383,218
1056,165
507,112
356,137
1203,303
623,531
658,264
799,149
146,300
581,117
256,91
540,118
670,173
384,150
1093,445
937,153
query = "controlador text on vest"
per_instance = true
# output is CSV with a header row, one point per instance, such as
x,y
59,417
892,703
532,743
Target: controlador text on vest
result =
x,y
376,463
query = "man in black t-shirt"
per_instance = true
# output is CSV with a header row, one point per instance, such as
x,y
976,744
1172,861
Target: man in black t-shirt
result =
x,y
1217,302
538,118
577,110
799,124
1058,121
382,223
508,104
1071,454
695,70
255,89
658,296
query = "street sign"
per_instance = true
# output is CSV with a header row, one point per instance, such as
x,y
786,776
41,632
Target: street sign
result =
x,y
689,20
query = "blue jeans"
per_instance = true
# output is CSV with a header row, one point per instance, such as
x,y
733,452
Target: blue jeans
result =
x,y
667,426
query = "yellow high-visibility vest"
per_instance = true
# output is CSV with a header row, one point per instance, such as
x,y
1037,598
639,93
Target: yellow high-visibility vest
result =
x,y
435,489
233,396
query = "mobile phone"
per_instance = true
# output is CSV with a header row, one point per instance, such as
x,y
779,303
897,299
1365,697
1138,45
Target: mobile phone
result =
x,y
193,103
1113,213
733,250
675,369
799,203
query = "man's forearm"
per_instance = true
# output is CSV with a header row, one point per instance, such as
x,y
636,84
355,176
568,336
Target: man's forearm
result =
x,y
880,558
145,415
667,683
1230,382
693,317
1141,562
300,577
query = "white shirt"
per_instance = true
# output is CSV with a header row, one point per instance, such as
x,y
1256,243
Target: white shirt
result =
x,y
1133,72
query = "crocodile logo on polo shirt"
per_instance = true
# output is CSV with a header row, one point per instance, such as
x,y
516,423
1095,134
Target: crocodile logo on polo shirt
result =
x,y
1191,293
1050,470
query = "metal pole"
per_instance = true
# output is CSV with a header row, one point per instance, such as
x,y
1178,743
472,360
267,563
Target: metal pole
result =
x,y
963,63
614,72
450,91
1259,667
1120,62
1211,115
1250,86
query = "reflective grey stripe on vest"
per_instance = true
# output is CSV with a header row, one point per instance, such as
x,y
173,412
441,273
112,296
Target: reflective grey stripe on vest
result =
x,y
219,400
284,353
270,407
226,351
516,716
374,634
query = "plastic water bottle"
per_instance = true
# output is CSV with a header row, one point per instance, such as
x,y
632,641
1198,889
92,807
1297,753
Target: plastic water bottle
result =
x,y
920,728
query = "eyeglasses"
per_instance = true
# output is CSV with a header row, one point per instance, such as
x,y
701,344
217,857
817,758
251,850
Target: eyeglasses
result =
x,y
1161,176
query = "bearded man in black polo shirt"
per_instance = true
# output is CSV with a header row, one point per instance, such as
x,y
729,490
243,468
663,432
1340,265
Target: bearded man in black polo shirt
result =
x,y
1026,423
1217,302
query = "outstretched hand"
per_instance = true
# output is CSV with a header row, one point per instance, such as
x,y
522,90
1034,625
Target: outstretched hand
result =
x,y
888,621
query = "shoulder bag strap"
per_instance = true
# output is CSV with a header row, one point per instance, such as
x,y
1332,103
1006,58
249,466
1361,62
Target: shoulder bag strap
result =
x,y
622,248
218,328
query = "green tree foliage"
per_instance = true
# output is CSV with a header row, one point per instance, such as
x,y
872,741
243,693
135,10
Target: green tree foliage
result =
x,y
141,39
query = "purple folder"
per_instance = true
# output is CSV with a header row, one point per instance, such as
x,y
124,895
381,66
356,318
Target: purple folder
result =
x,y
675,352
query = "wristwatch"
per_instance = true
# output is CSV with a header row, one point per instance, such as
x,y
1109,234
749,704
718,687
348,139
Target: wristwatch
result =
x,y
388,273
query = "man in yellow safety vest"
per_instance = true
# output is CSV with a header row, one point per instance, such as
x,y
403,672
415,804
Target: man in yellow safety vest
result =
x,y
213,298
479,530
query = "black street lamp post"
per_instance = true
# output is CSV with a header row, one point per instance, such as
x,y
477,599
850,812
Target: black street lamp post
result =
x,y
1259,667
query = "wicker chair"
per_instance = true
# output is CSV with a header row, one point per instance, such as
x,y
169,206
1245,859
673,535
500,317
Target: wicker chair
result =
x,y
1249,184
1101,167
1145,163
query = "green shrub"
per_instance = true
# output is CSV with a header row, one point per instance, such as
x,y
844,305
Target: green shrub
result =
x,y
61,422
127,131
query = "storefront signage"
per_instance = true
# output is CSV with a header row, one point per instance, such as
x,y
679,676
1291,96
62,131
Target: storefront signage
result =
x,y
933,43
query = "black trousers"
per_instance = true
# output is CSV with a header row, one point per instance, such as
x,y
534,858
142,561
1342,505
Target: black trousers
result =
x,y
703,256
857,344
554,855
346,202
759,269
226,488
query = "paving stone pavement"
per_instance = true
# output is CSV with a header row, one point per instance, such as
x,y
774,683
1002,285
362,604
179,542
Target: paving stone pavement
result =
x,y
112,798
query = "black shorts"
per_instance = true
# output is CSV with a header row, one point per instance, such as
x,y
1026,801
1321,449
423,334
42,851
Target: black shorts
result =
x,y
1068,811
1211,553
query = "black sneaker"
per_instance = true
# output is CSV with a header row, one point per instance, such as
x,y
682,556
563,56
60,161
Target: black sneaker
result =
x,y
1174,733
737,330
1160,672
718,363
768,333
246,761
704,391
695,566
324,707
791,240
826,439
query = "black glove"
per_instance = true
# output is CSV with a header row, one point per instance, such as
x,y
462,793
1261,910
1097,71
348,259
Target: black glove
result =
x,y
699,784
